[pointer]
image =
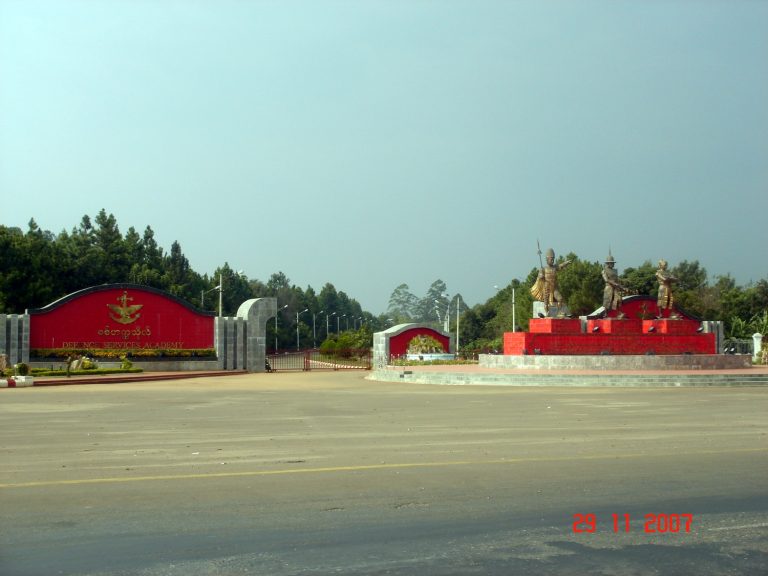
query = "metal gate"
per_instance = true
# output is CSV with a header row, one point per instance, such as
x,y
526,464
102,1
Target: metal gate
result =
x,y
737,346
307,360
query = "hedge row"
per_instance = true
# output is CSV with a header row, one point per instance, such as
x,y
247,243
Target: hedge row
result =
x,y
118,353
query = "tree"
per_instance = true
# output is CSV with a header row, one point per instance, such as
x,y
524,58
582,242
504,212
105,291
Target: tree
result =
x,y
402,304
13,263
176,275
278,282
236,289
425,308
111,251
134,247
641,280
581,284
82,257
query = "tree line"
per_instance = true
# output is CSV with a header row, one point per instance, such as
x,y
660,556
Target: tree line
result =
x,y
38,267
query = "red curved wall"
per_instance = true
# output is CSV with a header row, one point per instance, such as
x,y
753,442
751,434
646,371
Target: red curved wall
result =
x,y
398,345
88,322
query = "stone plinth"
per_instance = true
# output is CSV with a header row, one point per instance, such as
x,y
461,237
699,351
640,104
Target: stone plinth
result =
x,y
619,362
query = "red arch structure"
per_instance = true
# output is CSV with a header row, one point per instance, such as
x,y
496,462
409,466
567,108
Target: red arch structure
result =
x,y
399,337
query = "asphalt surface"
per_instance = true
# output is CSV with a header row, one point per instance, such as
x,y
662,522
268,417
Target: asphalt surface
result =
x,y
328,473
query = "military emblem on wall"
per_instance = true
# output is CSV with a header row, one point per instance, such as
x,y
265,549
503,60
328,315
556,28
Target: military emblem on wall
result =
x,y
125,313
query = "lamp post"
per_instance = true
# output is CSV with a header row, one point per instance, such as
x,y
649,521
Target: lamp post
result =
x,y
514,323
202,296
297,327
328,324
276,315
338,323
458,316
314,334
447,322
221,290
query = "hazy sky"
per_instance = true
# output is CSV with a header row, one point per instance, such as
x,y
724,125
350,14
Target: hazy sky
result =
x,y
370,144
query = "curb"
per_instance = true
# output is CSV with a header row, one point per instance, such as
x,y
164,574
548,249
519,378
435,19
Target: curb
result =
x,y
115,379
17,382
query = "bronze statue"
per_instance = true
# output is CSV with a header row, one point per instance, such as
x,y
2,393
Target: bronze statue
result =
x,y
545,289
666,299
613,290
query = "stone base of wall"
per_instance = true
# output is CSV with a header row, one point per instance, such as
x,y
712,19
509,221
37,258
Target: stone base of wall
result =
x,y
153,366
179,366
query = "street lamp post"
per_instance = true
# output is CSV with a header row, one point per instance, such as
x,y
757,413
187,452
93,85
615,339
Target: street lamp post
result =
x,y
276,315
202,296
297,327
447,322
514,323
314,334
328,324
458,316
221,291
338,323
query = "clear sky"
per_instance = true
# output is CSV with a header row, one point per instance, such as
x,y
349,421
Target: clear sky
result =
x,y
370,144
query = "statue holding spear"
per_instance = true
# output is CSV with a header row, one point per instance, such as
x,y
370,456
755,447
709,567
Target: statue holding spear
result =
x,y
545,288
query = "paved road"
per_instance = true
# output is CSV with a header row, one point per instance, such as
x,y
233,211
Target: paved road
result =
x,y
284,474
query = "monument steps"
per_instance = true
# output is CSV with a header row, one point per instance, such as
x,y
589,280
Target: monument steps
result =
x,y
578,379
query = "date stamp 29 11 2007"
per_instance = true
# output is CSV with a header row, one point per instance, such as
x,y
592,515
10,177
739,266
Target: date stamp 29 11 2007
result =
x,y
652,523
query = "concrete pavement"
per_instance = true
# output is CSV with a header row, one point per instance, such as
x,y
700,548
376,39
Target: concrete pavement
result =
x,y
329,473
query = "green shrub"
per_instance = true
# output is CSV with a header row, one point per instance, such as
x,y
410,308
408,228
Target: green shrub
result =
x,y
328,347
425,345
89,364
21,369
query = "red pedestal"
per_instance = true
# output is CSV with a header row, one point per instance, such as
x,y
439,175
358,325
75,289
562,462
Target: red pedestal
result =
x,y
556,336
614,326
554,326
667,326
518,343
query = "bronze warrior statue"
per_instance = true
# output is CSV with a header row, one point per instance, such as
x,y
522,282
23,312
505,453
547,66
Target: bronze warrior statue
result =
x,y
666,299
545,289
613,290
